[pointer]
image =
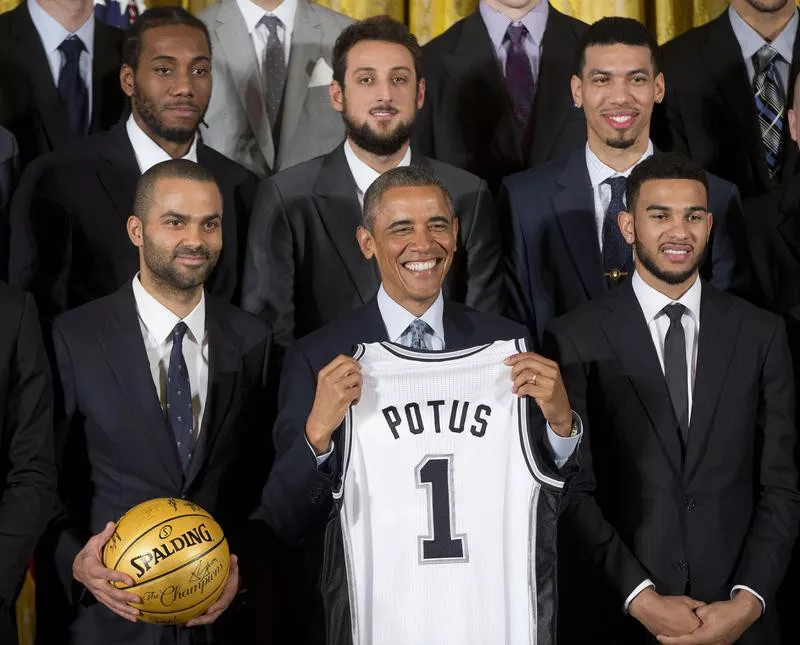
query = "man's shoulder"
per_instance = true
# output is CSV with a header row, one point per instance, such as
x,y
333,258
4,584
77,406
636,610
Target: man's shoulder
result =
x,y
339,336
85,322
78,160
244,324
541,179
456,180
445,42
329,17
684,47
298,180
486,327
223,166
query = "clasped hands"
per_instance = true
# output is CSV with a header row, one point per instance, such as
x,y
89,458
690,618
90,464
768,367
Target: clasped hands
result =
x,y
680,620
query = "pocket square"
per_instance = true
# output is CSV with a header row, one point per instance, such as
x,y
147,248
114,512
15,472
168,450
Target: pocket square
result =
x,y
322,74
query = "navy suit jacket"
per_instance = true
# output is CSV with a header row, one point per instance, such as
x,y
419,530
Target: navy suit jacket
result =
x,y
555,264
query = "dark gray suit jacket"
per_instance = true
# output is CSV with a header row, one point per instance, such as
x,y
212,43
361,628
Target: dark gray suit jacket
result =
x,y
9,171
303,266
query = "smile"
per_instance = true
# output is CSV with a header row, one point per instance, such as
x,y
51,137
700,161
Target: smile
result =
x,y
420,266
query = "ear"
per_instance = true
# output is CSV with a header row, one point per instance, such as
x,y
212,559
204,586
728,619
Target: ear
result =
x,y
336,93
576,85
126,79
455,232
625,223
661,87
792,125
135,226
365,242
420,93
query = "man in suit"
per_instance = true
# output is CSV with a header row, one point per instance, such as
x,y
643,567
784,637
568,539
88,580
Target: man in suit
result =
x,y
565,247
410,229
688,499
67,247
124,432
65,69
498,97
728,88
272,67
9,174
303,267
27,474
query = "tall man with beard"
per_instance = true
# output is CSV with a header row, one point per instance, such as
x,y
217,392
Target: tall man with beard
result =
x,y
67,245
688,499
124,433
303,266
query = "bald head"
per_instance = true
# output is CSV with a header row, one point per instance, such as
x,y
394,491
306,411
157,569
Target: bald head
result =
x,y
181,169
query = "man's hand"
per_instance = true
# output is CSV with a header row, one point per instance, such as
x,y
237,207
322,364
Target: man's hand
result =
x,y
338,385
670,615
88,569
228,594
540,379
723,622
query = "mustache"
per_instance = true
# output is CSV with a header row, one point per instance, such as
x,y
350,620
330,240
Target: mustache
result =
x,y
384,108
189,252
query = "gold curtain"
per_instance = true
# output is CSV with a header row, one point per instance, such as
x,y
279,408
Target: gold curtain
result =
x,y
364,8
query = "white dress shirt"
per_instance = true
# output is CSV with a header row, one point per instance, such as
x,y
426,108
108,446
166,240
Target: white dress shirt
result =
x,y
259,33
598,173
147,152
652,302
396,319
53,34
363,174
157,323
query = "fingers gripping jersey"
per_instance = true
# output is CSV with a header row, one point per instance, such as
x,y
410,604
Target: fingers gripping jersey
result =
x,y
448,523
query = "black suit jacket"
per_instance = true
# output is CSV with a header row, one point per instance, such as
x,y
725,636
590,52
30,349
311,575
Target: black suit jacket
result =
x,y
709,112
69,242
724,514
27,470
115,449
555,264
304,267
467,119
32,108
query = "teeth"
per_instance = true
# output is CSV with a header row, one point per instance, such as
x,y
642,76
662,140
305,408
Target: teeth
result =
x,y
420,266
675,252
620,119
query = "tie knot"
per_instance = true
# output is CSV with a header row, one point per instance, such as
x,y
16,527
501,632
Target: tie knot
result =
x,y
617,187
272,23
764,58
516,33
178,332
674,311
420,327
71,47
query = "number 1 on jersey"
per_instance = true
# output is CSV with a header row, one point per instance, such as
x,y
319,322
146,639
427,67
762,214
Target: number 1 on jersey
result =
x,y
435,474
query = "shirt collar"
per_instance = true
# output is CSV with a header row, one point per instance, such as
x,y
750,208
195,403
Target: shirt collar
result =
x,y
147,152
53,33
599,172
653,301
397,319
362,173
160,321
253,14
497,23
750,41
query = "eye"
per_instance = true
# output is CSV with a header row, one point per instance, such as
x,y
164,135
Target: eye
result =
x,y
399,80
201,71
365,80
212,225
639,79
174,221
600,80
439,227
162,71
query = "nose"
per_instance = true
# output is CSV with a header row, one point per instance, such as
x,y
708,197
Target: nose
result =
x,y
422,239
620,92
182,84
383,90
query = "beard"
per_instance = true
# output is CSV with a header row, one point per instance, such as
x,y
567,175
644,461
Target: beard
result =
x,y
149,113
644,257
374,142
766,6
161,264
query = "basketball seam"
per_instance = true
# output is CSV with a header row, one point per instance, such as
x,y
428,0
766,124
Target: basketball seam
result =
x,y
180,566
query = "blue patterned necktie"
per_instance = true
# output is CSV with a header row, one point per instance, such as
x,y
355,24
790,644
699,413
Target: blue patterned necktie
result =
x,y
179,397
72,88
417,334
770,105
274,70
519,76
617,259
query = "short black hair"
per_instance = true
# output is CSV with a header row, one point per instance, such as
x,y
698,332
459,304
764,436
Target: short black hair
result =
x,y
667,165
401,177
381,28
171,169
150,19
617,31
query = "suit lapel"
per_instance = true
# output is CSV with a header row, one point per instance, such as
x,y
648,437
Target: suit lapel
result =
x,y
122,343
105,64
718,337
790,150
120,176
630,339
574,207
234,40
305,51
458,329
337,204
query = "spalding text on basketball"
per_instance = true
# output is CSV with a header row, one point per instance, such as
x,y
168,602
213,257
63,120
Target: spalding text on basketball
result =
x,y
143,562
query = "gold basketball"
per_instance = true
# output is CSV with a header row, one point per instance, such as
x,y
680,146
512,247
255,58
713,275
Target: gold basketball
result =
x,y
176,555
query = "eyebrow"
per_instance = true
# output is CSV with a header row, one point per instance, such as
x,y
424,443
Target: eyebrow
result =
x,y
436,219
638,70
173,59
184,216
689,209
396,68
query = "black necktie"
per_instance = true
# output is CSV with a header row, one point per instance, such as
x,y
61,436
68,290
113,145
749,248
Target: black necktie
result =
x,y
519,76
274,70
616,252
675,366
72,88
179,397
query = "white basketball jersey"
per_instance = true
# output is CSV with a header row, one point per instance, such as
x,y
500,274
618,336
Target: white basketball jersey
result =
x,y
448,523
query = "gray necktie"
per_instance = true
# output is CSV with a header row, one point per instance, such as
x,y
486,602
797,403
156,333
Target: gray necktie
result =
x,y
417,334
274,71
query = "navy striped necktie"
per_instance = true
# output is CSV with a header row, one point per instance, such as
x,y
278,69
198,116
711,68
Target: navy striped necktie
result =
x,y
770,105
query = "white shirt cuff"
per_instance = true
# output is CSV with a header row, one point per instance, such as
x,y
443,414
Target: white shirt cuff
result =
x,y
738,587
644,585
561,448
321,459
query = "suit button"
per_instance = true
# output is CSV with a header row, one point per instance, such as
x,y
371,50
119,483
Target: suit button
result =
x,y
689,503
